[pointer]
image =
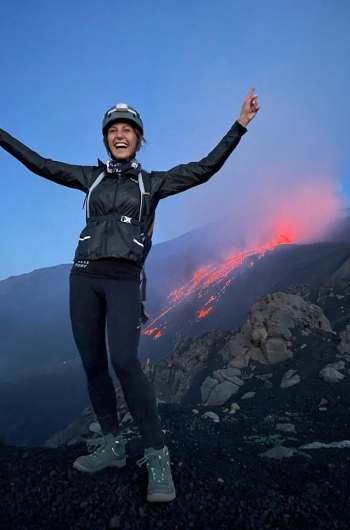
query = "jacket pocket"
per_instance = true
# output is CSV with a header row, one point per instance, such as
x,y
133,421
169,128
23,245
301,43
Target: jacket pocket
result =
x,y
90,240
126,240
86,234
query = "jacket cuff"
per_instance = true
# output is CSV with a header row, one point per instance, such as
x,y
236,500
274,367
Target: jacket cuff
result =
x,y
239,128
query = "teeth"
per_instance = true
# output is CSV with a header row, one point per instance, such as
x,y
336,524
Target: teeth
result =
x,y
121,145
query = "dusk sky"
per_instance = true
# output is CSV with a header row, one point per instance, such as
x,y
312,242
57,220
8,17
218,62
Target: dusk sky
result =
x,y
186,66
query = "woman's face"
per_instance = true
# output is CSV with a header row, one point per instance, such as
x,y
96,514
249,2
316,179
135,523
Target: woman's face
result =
x,y
121,140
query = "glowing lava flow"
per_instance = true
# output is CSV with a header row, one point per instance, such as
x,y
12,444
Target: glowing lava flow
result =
x,y
206,278
204,312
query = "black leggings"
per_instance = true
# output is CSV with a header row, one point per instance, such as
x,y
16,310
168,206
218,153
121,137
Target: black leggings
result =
x,y
95,302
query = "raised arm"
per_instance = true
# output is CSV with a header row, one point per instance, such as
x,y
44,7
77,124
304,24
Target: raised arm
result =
x,y
72,176
186,176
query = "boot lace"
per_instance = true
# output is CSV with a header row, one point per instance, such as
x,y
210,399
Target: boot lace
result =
x,y
155,464
96,444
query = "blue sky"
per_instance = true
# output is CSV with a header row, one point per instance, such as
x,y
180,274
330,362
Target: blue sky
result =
x,y
186,66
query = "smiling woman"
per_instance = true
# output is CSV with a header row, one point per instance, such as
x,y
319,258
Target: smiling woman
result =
x,y
121,200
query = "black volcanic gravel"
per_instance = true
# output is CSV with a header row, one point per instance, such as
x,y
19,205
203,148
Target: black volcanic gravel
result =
x,y
222,481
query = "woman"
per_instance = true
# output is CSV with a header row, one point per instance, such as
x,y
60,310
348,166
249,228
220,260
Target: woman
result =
x,y
105,278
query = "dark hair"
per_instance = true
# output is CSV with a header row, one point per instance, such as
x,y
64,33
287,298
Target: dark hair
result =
x,y
141,140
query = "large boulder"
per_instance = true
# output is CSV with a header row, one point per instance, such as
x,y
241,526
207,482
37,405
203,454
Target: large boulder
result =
x,y
265,337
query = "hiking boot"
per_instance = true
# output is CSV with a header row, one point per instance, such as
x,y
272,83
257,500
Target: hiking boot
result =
x,y
109,452
160,483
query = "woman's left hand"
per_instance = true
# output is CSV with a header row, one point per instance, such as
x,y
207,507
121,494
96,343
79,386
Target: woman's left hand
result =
x,y
249,109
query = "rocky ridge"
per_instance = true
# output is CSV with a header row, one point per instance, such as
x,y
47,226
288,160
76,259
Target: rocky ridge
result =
x,y
212,369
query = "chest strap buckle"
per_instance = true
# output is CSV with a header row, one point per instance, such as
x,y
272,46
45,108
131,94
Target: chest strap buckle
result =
x,y
125,219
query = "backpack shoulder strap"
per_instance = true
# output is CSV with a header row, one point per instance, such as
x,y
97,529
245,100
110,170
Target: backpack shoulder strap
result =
x,y
150,230
92,187
145,190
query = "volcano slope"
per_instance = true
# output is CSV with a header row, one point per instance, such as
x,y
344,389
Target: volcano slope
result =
x,y
220,294
255,468
34,408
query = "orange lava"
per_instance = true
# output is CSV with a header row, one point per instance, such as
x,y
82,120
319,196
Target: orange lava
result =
x,y
208,277
211,299
204,312
150,331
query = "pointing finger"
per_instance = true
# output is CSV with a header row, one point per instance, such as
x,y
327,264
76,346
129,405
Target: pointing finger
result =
x,y
250,94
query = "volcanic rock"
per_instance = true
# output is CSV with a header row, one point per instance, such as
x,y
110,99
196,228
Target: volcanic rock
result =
x,y
248,395
212,416
256,354
344,345
211,368
280,452
290,378
265,336
275,350
173,375
258,333
278,330
235,353
229,374
286,427
340,365
215,393
264,377
207,387
331,375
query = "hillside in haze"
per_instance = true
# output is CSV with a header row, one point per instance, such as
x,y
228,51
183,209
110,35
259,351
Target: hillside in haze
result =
x,y
183,275
43,384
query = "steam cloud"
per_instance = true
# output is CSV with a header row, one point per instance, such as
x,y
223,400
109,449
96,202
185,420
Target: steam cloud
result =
x,y
302,209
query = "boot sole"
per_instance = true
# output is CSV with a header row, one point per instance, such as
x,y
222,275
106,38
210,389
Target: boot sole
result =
x,y
161,497
115,463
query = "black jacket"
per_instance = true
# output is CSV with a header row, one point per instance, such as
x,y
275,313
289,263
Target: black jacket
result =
x,y
120,194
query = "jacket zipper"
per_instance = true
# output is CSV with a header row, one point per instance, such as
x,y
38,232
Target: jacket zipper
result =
x,y
109,229
115,194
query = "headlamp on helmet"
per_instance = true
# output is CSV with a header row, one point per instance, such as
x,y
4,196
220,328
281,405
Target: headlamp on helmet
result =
x,y
122,112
